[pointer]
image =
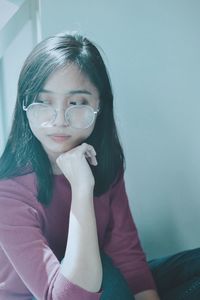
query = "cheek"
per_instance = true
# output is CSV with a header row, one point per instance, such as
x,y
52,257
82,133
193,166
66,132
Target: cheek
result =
x,y
38,133
89,131
81,136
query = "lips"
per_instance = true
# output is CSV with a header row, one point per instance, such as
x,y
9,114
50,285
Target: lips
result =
x,y
59,137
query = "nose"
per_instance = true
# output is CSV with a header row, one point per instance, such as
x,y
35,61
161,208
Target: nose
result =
x,y
60,118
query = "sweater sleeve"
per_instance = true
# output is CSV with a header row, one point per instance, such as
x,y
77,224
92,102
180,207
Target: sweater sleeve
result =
x,y
122,242
27,249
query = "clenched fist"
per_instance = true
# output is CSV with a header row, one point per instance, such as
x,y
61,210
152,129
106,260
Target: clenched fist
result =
x,y
74,164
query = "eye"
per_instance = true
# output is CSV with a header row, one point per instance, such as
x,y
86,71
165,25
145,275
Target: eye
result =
x,y
79,102
43,98
43,101
73,103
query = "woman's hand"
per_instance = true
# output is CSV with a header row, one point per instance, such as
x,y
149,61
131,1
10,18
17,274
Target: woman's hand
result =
x,y
75,167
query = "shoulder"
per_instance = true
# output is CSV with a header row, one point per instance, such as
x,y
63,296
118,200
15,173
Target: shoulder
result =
x,y
18,202
20,187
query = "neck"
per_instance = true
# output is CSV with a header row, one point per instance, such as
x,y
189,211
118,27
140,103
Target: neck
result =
x,y
56,169
52,158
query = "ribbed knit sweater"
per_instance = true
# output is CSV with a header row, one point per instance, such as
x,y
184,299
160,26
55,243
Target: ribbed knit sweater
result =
x,y
33,240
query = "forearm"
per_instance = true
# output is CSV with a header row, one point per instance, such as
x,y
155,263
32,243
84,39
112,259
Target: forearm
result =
x,y
147,295
82,264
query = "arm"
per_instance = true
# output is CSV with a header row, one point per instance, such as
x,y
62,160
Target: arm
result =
x,y
122,242
27,255
81,264
28,265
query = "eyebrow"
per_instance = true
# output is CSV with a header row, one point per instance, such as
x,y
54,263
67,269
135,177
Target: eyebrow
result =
x,y
72,92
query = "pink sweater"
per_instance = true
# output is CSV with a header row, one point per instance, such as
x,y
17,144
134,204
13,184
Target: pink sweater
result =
x,y
33,240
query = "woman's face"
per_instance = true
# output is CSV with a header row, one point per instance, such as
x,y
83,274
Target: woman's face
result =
x,y
65,88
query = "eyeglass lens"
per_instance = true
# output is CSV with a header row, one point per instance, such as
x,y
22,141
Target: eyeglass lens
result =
x,y
80,116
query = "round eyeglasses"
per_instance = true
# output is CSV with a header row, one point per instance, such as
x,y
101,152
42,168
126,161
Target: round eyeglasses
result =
x,y
79,116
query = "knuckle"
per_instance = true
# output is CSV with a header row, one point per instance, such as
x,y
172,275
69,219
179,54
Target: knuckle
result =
x,y
84,145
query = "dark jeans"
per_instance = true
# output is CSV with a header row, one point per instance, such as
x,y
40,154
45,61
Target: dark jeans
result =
x,y
177,278
114,285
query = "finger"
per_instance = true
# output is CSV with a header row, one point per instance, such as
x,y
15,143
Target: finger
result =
x,y
87,148
90,154
92,160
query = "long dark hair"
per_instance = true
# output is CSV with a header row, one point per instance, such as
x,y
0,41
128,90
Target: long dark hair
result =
x,y
24,153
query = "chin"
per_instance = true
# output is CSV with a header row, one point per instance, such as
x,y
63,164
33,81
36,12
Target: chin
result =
x,y
58,149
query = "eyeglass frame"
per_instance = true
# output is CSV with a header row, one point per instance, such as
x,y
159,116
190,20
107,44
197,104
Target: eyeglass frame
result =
x,y
95,112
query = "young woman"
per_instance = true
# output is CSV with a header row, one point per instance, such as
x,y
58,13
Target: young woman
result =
x,y
66,230
64,212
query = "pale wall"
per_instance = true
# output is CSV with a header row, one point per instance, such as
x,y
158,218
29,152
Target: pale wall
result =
x,y
153,54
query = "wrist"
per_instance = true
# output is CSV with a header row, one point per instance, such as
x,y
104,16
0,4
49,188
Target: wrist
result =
x,y
82,188
82,193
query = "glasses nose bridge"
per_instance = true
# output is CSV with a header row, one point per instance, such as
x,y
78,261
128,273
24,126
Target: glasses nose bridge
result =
x,y
60,117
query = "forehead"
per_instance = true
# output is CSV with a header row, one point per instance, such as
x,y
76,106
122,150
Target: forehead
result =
x,y
68,80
